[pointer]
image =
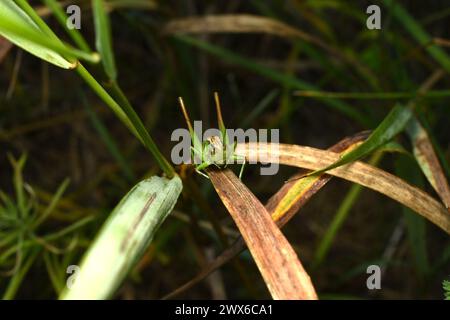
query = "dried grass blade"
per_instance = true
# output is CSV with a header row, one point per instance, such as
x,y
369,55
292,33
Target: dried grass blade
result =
x,y
358,172
277,261
247,23
282,206
428,160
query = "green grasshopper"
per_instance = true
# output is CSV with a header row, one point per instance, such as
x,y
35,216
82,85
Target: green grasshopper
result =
x,y
213,151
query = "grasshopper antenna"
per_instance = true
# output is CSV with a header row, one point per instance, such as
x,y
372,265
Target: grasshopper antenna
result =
x,y
186,116
219,113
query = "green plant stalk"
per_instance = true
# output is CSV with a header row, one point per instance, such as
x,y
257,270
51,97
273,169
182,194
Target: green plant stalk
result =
x,y
406,168
129,117
140,127
57,282
61,16
109,142
123,110
340,217
16,280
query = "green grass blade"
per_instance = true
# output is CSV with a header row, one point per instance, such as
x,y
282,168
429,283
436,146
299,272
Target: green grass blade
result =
x,y
17,279
109,142
55,280
339,218
259,108
124,237
19,183
20,29
29,11
418,33
415,224
103,40
128,116
61,16
393,124
54,201
274,75
140,128
104,95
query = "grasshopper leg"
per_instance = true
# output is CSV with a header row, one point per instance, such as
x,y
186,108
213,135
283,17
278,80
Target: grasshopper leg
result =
x,y
242,170
202,166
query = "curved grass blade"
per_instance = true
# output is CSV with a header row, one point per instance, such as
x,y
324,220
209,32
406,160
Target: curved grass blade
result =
x,y
124,237
19,28
103,40
428,160
358,172
247,23
61,16
393,124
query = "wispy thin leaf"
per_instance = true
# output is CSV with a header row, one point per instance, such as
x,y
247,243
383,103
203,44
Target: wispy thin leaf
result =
x,y
103,39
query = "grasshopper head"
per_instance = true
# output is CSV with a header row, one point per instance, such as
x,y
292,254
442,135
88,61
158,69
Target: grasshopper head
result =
x,y
215,150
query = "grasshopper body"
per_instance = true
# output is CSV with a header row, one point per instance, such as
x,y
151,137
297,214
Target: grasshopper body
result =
x,y
215,150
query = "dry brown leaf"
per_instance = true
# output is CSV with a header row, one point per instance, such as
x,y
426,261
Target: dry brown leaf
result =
x,y
357,172
280,212
423,147
247,23
278,263
428,161
234,23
